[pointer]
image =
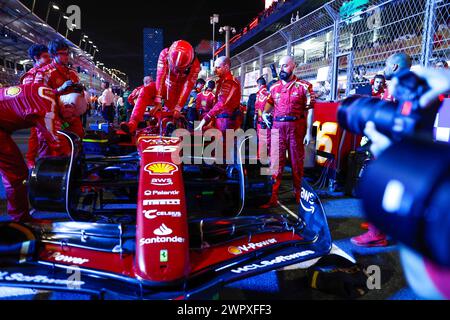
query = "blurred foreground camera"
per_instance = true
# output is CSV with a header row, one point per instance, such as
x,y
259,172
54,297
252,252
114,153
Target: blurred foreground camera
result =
x,y
394,119
406,194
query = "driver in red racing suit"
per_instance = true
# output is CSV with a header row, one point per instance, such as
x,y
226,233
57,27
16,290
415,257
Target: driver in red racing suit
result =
x,y
23,107
178,70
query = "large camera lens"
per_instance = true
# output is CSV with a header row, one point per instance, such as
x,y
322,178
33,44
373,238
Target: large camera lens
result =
x,y
354,112
405,193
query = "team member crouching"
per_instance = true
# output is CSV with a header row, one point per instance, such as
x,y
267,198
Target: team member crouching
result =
x,y
23,107
178,70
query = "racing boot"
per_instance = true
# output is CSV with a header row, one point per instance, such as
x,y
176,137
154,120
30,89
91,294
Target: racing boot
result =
x,y
273,202
373,238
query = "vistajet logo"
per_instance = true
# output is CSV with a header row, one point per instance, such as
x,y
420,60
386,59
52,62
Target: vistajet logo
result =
x,y
274,262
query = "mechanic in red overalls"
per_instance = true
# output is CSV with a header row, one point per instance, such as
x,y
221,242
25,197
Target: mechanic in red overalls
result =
x,y
23,107
206,100
132,98
263,131
40,56
62,79
146,98
228,99
178,70
292,102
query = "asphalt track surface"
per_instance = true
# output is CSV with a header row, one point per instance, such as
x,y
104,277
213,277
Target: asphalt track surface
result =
x,y
344,218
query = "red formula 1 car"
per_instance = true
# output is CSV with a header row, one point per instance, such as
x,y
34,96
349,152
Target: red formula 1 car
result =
x,y
144,226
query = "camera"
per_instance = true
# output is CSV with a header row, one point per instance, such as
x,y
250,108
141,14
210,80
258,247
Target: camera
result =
x,y
397,120
405,190
406,195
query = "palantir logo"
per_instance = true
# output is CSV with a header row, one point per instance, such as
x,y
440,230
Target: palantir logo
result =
x,y
163,230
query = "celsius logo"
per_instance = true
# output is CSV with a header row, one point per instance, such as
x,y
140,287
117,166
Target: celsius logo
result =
x,y
58,257
162,182
250,247
153,214
161,168
162,202
163,230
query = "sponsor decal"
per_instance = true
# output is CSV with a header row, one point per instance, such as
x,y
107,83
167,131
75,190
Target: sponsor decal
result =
x,y
273,262
250,247
175,239
161,237
58,257
162,182
308,201
162,202
164,256
164,141
161,168
163,230
153,214
161,149
13,91
161,193
20,277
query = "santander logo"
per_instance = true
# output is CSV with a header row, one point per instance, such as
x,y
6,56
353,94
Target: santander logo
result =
x,y
163,230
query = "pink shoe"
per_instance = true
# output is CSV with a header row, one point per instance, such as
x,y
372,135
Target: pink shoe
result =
x,y
370,239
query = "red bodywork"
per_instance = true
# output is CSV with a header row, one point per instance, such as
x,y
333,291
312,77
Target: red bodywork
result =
x,y
329,134
162,241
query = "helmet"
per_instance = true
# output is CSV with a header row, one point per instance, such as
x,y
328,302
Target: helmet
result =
x,y
181,55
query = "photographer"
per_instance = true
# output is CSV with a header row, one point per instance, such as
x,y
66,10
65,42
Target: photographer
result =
x,y
395,64
415,211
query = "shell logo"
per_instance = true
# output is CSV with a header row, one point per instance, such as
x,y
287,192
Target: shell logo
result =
x,y
161,168
13,91
234,250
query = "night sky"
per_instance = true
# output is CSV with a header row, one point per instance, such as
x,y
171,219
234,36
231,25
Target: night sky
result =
x,y
116,26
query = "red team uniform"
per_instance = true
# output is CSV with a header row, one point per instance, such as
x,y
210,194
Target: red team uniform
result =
x,y
53,75
291,102
177,72
226,110
23,107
